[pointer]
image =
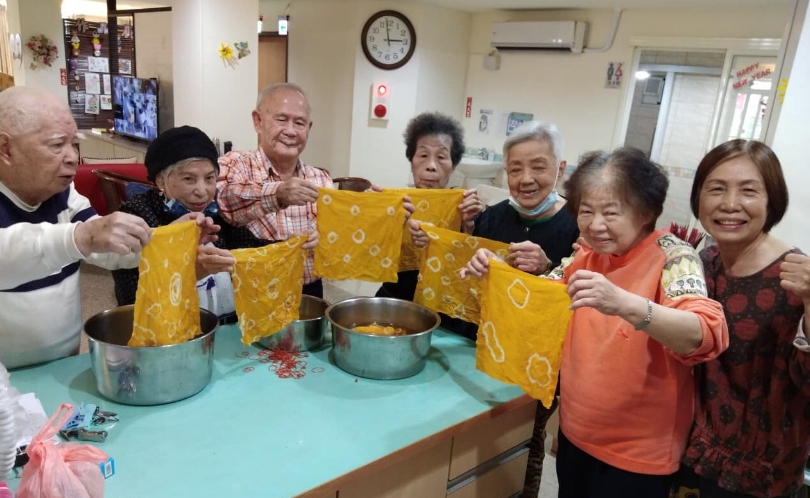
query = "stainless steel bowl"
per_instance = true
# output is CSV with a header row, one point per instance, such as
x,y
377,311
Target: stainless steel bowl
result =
x,y
380,356
305,334
151,375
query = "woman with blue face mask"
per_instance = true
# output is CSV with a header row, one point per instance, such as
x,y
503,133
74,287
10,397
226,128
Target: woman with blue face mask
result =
x,y
182,162
539,231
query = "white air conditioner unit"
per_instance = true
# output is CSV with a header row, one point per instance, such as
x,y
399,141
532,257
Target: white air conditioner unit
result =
x,y
540,35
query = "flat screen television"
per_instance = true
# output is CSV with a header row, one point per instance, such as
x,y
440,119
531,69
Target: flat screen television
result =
x,y
135,107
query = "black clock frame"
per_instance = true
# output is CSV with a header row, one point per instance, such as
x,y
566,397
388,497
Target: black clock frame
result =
x,y
374,18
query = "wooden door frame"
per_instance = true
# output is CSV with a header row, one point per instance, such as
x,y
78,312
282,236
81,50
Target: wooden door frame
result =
x,y
274,34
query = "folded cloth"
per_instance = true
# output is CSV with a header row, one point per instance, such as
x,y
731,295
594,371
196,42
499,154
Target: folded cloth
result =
x,y
267,284
524,321
361,235
439,207
439,285
167,307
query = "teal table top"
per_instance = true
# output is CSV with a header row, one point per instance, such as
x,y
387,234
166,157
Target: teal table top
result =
x,y
250,431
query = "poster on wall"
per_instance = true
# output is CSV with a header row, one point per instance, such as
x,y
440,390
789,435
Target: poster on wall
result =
x,y
516,119
98,64
124,66
106,102
107,88
613,76
486,121
91,104
92,83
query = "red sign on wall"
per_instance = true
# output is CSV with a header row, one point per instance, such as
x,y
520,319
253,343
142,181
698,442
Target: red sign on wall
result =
x,y
63,76
469,107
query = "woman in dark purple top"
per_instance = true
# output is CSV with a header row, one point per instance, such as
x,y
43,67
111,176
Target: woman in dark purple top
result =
x,y
752,414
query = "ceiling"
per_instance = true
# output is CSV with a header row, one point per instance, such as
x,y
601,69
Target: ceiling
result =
x,y
482,5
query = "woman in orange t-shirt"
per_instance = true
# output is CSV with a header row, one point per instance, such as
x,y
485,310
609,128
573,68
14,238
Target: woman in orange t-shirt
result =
x,y
641,320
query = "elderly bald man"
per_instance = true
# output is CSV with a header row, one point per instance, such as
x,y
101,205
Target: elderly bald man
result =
x,y
47,228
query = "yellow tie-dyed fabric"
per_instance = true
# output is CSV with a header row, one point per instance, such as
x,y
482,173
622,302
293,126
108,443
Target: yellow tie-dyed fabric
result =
x,y
524,321
439,285
439,207
167,307
360,235
267,284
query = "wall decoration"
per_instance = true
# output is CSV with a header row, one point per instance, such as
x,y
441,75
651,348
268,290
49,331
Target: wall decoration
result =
x,y
106,102
226,53
242,47
614,75
44,51
96,45
486,121
81,25
107,88
92,83
91,104
102,28
127,31
124,66
16,47
75,42
516,119
98,64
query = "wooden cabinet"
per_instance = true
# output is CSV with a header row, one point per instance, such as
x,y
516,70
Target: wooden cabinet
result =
x,y
502,481
108,147
491,438
423,475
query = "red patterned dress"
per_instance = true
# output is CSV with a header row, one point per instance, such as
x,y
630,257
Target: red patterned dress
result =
x,y
752,413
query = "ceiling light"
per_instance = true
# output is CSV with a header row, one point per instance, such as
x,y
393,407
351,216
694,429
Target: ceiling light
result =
x,y
642,75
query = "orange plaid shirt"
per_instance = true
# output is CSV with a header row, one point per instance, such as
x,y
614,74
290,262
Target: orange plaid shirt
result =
x,y
247,187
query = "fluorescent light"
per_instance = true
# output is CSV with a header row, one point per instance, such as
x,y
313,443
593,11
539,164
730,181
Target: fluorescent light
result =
x,y
642,75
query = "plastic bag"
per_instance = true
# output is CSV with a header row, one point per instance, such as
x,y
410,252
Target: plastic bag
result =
x,y
61,470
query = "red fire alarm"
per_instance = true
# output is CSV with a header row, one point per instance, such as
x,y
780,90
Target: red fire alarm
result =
x,y
380,100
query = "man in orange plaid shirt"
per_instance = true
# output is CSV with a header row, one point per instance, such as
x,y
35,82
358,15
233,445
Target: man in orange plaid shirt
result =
x,y
270,190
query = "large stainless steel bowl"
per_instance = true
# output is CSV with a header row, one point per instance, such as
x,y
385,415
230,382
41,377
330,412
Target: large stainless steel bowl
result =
x,y
150,375
380,356
305,334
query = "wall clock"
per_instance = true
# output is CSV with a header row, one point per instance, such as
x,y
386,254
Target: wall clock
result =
x,y
388,39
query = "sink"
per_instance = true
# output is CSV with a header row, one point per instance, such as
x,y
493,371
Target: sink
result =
x,y
478,171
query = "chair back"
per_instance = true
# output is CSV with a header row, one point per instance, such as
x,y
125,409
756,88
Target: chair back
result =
x,y
352,183
114,187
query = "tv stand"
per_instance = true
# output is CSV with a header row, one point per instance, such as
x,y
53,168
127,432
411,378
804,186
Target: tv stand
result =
x,y
108,146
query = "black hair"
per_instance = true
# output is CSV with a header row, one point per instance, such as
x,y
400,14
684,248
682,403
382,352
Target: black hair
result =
x,y
433,123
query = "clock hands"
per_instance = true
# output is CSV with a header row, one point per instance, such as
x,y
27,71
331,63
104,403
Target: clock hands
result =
x,y
387,33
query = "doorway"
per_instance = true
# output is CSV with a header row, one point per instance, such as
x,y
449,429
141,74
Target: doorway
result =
x,y
685,102
272,59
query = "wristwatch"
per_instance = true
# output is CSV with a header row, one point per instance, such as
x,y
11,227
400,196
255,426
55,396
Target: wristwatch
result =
x,y
647,319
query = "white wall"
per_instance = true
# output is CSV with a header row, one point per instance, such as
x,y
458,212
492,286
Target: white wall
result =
x,y
568,89
326,59
211,96
153,53
41,17
789,140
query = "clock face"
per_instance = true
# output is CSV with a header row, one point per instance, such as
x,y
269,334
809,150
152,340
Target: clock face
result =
x,y
388,39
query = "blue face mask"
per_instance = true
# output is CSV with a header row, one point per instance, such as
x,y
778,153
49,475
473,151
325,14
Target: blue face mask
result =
x,y
544,206
178,209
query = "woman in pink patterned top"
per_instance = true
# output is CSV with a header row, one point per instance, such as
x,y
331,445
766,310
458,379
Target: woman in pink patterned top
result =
x,y
752,416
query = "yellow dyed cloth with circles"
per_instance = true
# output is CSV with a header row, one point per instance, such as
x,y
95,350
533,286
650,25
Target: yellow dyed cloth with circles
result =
x,y
267,283
439,285
439,207
360,235
524,321
167,306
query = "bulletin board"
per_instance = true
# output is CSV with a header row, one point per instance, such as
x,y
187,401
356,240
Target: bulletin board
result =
x,y
78,67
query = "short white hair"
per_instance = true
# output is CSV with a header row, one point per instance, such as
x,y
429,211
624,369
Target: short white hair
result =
x,y
265,92
21,109
539,131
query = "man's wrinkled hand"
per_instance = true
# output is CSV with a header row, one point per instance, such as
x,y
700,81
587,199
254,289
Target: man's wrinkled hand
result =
x,y
120,233
312,241
296,192
212,260
208,229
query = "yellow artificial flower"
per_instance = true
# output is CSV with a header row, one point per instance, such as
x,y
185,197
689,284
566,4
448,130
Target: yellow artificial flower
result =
x,y
225,51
